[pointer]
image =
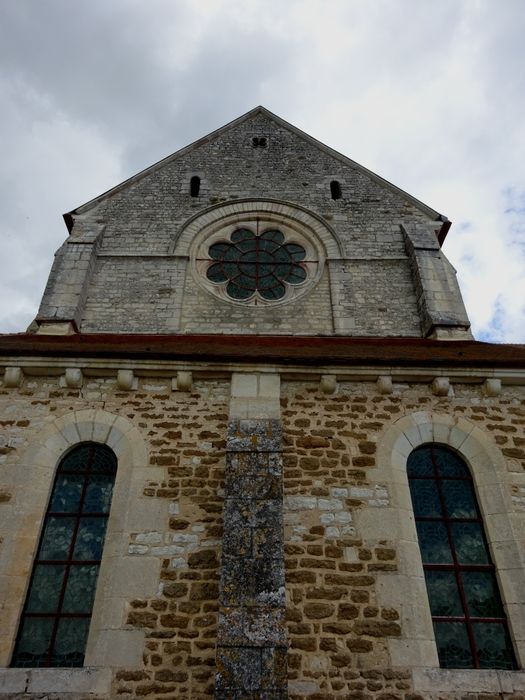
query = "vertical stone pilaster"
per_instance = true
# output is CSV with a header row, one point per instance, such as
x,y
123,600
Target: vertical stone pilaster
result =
x,y
441,308
251,641
66,290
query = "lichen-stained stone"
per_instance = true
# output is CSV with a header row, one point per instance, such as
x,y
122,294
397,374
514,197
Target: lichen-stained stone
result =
x,y
253,435
252,626
238,668
251,674
252,512
252,581
267,541
237,542
273,666
254,475
251,638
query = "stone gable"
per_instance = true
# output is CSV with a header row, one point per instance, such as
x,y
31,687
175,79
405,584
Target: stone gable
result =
x,y
120,270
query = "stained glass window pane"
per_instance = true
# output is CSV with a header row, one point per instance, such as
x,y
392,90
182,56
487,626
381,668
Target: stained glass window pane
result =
x,y
80,589
77,460
296,276
241,234
493,645
453,645
265,259
67,492
425,498
231,255
231,269
103,461
217,250
33,642
443,593
282,270
44,592
282,255
247,246
216,273
248,266
434,544
237,292
469,543
459,498
276,236
90,538
55,621
265,275
420,462
56,540
245,281
268,246
70,642
481,592
449,463
276,292
99,491
295,251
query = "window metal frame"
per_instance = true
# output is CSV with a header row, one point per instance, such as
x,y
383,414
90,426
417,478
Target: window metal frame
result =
x,y
69,561
456,567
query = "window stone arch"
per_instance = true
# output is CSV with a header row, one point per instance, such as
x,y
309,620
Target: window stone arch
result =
x,y
121,577
406,588
57,613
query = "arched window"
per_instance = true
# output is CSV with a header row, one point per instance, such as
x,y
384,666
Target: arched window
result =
x,y
335,189
469,622
195,185
55,620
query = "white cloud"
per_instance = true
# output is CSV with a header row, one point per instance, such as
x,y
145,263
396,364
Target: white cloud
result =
x,y
53,167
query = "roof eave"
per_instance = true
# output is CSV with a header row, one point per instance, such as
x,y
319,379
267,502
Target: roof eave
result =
x,y
281,350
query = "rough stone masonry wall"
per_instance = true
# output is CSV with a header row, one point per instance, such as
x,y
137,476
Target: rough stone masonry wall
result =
x,y
337,627
185,433
180,621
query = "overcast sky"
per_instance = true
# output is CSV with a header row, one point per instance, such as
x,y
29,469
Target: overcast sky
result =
x,y
430,95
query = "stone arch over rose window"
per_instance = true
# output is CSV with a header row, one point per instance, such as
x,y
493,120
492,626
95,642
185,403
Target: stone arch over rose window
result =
x,y
257,252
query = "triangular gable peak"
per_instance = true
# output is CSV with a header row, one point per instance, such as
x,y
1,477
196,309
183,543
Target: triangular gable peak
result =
x,y
443,222
320,246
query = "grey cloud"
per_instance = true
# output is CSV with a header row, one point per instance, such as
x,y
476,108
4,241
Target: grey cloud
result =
x,y
103,64
431,95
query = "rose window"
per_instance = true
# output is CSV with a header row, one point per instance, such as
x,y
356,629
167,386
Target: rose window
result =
x,y
250,264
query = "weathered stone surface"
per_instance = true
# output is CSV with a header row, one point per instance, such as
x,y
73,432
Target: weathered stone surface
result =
x,y
254,436
369,289
251,642
238,669
252,626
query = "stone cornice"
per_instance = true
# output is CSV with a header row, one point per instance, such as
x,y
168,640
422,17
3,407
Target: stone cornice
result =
x,y
326,360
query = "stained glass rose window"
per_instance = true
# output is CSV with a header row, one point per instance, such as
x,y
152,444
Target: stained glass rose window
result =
x,y
249,263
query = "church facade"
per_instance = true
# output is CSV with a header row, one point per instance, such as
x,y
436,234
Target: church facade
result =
x,y
249,448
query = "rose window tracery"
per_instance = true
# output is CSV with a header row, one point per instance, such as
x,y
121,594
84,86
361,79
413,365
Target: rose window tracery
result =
x,y
250,264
